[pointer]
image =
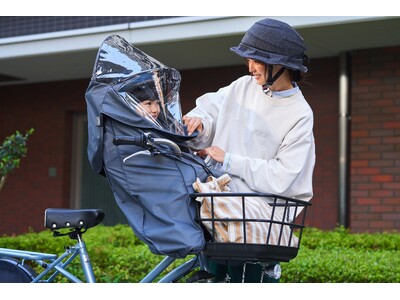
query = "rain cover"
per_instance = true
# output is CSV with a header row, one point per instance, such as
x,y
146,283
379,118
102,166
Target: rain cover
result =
x,y
131,93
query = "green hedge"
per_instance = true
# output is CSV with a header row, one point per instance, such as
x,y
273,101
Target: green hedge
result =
x,y
341,257
325,256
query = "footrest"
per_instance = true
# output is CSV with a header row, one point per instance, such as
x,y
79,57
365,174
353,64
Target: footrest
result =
x,y
57,218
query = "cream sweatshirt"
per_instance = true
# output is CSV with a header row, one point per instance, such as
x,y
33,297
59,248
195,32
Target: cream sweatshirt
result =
x,y
269,141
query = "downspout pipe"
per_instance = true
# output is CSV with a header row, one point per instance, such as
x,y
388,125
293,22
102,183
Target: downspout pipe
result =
x,y
344,124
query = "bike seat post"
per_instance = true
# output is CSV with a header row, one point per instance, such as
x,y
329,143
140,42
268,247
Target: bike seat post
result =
x,y
85,260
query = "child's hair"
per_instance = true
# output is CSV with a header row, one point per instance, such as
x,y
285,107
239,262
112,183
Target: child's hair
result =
x,y
144,91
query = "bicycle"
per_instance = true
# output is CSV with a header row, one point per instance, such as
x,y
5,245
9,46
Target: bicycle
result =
x,y
14,266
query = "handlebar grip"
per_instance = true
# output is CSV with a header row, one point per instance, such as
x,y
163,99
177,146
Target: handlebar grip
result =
x,y
129,140
145,141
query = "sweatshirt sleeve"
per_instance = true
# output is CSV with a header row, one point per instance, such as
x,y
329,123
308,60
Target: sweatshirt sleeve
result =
x,y
278,175
207,109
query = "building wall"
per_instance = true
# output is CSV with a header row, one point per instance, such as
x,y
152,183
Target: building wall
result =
x,y
27,25
375,140
49,107
43,179
321,91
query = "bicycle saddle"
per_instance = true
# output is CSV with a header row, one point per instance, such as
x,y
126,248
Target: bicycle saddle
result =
x,y
57,218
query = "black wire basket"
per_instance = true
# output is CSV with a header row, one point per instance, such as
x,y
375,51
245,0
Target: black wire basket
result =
x,y
278,225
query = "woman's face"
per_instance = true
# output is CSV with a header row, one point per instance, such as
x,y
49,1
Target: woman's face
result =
x,y
152,107
258,70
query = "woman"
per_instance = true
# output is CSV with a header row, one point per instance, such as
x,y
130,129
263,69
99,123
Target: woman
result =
x,y
260,127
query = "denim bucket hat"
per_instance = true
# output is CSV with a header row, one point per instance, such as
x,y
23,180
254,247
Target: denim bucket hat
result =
x,y
274,43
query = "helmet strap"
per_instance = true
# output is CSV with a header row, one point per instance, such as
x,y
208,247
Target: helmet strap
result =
x,y
271,79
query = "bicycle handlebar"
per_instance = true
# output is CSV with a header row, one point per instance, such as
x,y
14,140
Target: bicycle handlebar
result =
x,y
146,140
129,140
167,142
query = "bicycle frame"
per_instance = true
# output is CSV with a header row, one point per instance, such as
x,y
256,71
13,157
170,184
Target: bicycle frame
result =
x,y
79,221
54,265
175,274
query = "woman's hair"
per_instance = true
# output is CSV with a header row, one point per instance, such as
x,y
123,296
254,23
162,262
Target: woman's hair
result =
x,y
296,75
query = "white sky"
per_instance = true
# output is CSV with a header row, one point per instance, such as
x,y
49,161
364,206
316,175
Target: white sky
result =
x,y
198,8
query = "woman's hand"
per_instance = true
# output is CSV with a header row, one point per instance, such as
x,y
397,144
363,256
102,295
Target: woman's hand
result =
x,y
192,124
215,152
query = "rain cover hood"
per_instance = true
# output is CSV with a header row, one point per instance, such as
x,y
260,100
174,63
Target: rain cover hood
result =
x,y
136,76
123,78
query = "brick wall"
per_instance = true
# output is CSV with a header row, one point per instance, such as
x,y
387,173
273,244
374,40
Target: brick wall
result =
x,y
375,150
321,91
47,108
375,140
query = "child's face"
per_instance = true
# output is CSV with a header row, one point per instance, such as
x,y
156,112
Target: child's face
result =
x,y
152,107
